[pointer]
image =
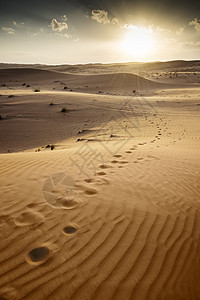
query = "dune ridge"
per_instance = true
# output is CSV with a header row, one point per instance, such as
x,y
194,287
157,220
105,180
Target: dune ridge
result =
x,y
111,81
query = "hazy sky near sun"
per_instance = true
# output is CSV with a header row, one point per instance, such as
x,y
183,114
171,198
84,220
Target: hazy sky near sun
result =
x,y
84,31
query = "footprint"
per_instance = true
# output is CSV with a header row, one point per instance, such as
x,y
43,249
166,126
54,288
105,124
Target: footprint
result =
x,y
69,229
128,151
141,144
29,218
38,255
90,192
90,180
117,155
70,204
114,161
123,162
105,166
134,148
60,191
101,173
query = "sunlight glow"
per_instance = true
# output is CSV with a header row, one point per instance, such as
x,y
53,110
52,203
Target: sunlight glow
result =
x,y
138,42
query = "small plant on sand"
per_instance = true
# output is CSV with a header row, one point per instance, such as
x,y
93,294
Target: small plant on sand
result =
x,y
50,146
64,110
51,103
37,90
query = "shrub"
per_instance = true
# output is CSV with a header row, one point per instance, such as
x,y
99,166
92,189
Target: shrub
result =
x,y
50,146
51,103
64,110
37,90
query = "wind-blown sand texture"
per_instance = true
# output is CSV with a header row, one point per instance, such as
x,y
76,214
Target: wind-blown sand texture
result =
x,y
113,212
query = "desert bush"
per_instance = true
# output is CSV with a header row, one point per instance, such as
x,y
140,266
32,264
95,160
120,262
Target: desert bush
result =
x,y
64,110
50,146
37,90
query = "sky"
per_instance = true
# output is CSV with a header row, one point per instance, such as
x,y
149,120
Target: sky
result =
x,y
92,31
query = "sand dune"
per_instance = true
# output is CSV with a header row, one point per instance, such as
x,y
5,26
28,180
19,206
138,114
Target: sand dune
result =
x,y
122,83
113,212
130,67
27,74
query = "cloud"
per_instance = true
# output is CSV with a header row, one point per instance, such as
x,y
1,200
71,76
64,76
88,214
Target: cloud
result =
x,y
192,44
9,30
101,16
63,35
180,31
58,26
64,18
196,23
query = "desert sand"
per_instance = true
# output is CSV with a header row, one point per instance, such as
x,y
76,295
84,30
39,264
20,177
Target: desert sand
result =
x,y
113,210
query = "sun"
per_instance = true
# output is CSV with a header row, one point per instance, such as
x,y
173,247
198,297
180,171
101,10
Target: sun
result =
x,y
138,42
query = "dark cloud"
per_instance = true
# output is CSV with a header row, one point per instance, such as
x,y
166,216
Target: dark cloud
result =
x,y
177,7
39,13
27,8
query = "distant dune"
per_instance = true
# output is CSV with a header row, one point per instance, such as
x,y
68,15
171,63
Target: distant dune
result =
x,y
122,83
129,67
27,74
